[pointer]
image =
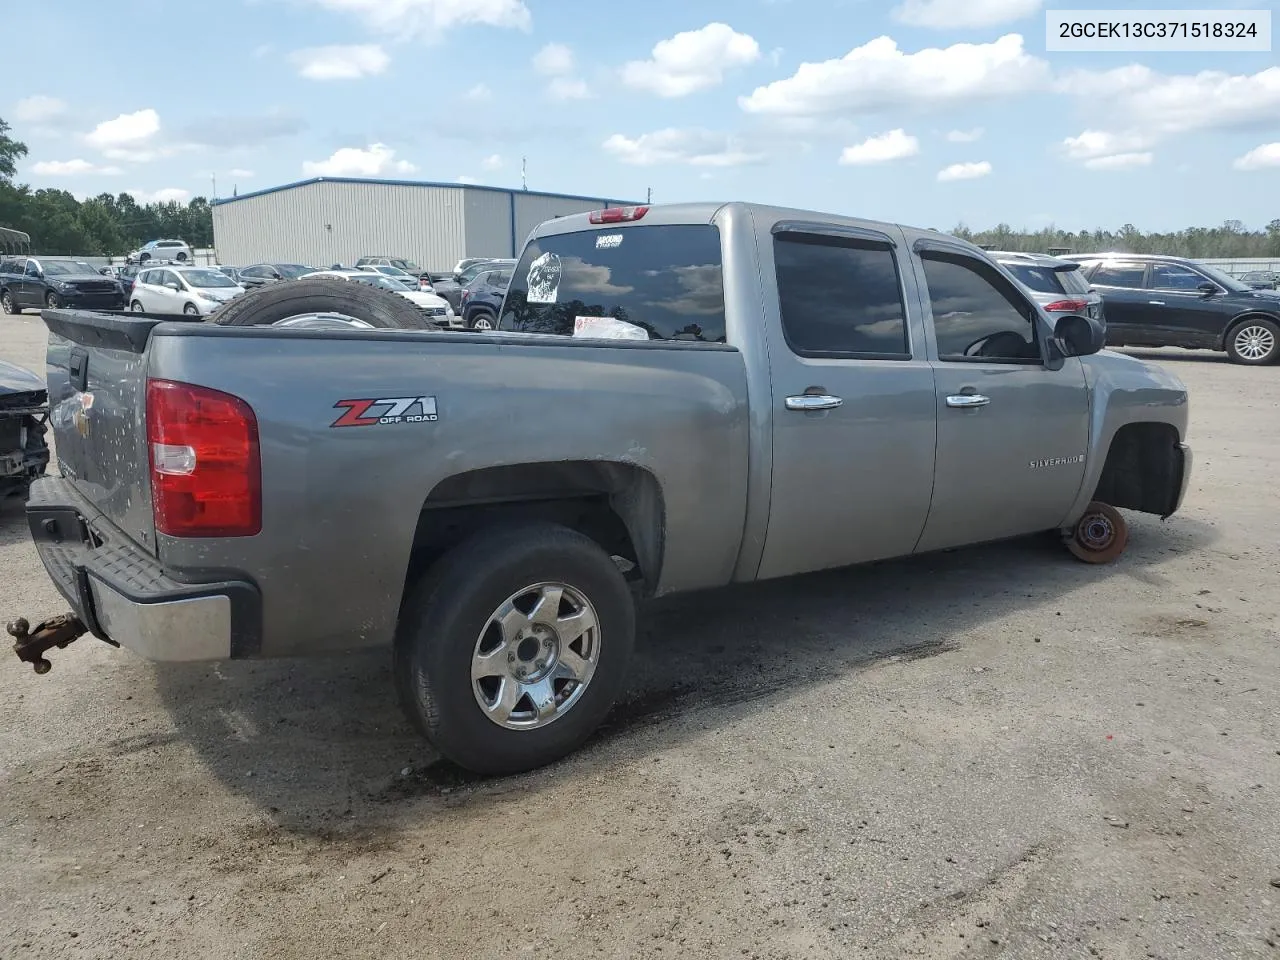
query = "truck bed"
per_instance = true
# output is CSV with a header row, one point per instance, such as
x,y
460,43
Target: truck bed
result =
x,y
341,507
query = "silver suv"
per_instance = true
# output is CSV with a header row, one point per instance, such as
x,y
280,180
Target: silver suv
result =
x,y
1057,285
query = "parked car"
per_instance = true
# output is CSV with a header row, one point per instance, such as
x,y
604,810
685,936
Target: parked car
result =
x,y
1158,301
232,272
177,251
400,263
24,412
678,398
195,291
1056,284
261,274
1261,280
451,287
410,281
125,276
437,308
28,283
482,299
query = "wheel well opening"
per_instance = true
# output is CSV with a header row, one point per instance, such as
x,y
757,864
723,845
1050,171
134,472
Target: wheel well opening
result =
x,y
617,505
1239,322
1143,470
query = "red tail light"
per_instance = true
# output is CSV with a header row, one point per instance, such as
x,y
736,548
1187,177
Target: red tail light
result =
x,y
206,470
1067,306
617,214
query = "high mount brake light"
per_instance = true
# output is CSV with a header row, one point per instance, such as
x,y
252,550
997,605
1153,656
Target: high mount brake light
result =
x,y
617,214
206,468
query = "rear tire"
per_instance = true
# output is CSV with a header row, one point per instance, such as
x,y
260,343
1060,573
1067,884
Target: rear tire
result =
x,y
279,301
1254,341
447,626
483,320
9,305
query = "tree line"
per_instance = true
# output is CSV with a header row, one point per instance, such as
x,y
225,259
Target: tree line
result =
x,y
106,225
111,226
1231,240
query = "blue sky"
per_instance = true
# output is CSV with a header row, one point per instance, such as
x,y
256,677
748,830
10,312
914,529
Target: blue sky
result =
x,y
927,112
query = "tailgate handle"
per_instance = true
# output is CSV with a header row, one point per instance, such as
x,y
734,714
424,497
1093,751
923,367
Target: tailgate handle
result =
x,y
79,366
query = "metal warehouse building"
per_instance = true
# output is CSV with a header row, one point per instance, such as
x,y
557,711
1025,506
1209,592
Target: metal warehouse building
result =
x,y
330,220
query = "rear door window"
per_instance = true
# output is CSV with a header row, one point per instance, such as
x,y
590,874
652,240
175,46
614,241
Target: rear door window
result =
x,y
661,282
840,297
1118,273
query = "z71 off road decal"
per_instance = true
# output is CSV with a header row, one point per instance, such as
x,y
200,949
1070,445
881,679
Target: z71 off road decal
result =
x,y
371,413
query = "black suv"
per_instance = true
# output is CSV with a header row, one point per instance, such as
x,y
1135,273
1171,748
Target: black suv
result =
x,y
1156,301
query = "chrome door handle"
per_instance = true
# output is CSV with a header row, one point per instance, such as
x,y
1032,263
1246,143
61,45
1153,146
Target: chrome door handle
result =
x,y
1156,303
967,400
811,401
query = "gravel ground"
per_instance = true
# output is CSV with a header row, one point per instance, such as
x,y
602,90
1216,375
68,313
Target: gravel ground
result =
x,y
990,752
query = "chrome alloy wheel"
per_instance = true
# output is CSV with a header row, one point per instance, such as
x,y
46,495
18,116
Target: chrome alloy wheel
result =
x,y
1254,341
534,658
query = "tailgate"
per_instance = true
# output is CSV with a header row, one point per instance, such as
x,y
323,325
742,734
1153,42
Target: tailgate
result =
x,y
97,370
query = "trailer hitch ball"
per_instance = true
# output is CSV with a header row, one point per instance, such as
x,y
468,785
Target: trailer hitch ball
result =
x,y
30,646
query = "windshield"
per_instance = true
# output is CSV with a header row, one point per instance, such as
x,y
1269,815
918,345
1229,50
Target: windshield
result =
x,y
294,270
1224,279
382,283
392,271
642,282
407,265
207,278
63,268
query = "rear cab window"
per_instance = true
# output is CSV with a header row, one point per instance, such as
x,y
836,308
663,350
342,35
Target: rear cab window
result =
x,y
659,282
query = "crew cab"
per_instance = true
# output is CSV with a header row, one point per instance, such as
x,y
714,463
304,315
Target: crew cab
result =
x,y
676,398
30,283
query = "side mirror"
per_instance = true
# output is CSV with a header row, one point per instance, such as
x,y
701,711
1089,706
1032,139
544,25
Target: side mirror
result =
x,y
1208,289
1079,336
173,285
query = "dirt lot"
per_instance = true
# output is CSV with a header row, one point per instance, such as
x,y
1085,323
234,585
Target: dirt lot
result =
x,y
989,752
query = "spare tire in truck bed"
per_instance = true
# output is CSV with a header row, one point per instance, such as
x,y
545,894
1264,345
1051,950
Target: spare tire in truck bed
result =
x,y
292,298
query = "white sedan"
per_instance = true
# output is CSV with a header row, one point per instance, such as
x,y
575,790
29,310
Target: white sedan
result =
x,y
395,273
437,308
195,291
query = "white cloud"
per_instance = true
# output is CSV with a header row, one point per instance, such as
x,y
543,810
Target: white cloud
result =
x,y
555,59
1136,98
878,76
38,109
166,195
965,136
377,160
126,130
893,145
964,171
568,88
429,19
698,148
960,14
492,162
1100,150
691,61
1120,161
1259,158
340,62
241,173
479,92
71,168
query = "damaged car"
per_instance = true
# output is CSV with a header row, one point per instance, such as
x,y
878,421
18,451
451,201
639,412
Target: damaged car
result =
x,y
24,413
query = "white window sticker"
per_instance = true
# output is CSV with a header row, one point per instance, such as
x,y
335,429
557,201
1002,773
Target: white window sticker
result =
x,y
544,279
608,328
607,241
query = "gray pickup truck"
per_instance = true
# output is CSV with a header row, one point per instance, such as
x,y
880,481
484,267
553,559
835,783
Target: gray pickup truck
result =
x,y
677,398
